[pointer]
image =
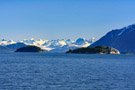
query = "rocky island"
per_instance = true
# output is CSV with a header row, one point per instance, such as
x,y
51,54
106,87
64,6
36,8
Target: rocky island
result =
x,y
30,49
95,50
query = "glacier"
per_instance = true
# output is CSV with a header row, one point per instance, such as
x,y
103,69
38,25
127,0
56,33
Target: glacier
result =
x,y
58,45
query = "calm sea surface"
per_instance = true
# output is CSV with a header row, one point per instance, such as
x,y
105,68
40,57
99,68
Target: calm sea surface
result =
x,y
33,71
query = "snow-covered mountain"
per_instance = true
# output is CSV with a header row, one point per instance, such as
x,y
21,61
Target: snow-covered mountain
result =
x,y
59,45
122,39
5,42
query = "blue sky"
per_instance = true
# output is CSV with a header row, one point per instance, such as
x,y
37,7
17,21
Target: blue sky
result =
x,y
56,19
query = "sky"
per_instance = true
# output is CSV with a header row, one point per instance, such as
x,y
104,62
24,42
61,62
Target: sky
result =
x,y
58,19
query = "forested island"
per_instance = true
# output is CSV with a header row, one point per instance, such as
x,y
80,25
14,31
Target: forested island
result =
x,y
30,49
95,50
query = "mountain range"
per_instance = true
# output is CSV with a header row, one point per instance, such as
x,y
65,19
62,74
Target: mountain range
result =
x,y
122,39
59,45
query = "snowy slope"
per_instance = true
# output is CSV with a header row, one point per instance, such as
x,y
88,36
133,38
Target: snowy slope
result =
x,y
4,42
60,45
122,39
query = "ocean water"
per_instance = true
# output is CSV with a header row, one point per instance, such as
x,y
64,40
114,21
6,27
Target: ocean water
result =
x,y
40,71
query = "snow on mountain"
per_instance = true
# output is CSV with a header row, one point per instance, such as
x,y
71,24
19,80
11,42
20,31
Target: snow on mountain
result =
x,y
121,39
52,45
80,41
39,42
5,42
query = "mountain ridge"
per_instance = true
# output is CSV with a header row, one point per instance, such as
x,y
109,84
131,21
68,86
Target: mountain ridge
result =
x,y
58,45
121,39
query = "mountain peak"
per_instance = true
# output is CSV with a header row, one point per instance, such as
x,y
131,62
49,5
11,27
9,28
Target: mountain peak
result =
x,y
55,45
32,39
3,40
121,39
